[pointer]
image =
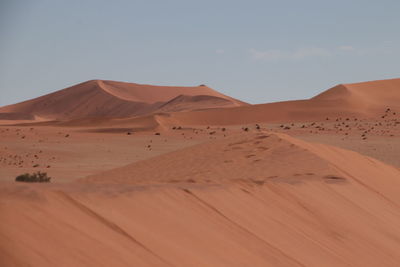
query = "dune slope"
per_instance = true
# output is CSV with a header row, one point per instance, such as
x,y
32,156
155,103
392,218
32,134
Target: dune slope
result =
x,y
97,98
381,92
248,200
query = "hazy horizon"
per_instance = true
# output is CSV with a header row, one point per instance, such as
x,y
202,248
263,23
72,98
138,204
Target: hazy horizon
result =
x,y
258,51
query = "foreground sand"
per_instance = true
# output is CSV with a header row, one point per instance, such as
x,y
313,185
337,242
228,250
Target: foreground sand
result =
x,y
254,199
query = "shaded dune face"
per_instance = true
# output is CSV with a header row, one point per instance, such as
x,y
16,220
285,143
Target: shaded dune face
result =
x,y
114,99
253,199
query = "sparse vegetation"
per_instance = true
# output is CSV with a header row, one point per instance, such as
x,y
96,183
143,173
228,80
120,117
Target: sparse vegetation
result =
x,y
37,177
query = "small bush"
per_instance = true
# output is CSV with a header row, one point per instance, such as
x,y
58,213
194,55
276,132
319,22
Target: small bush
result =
x,y
37,177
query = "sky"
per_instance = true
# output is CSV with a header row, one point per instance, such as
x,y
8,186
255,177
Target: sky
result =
x,y
256,51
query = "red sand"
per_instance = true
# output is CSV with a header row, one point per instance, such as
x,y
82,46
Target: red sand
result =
x,y
304,205
170,189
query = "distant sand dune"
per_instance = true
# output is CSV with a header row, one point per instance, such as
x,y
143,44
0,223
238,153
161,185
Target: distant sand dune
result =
x,y
367,100
116,103
359,100
97,98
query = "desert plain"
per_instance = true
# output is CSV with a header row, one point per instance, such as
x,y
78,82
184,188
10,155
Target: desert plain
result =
x,y
147,175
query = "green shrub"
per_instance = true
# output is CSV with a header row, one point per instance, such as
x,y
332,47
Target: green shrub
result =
x,y
37,177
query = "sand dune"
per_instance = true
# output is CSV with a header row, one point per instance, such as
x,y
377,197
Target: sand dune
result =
x,y
240,157
117,103
381,92
255,156
99,98
253,199
358,100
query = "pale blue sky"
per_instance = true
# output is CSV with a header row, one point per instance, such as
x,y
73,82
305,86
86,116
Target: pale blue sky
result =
x,y
257,51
